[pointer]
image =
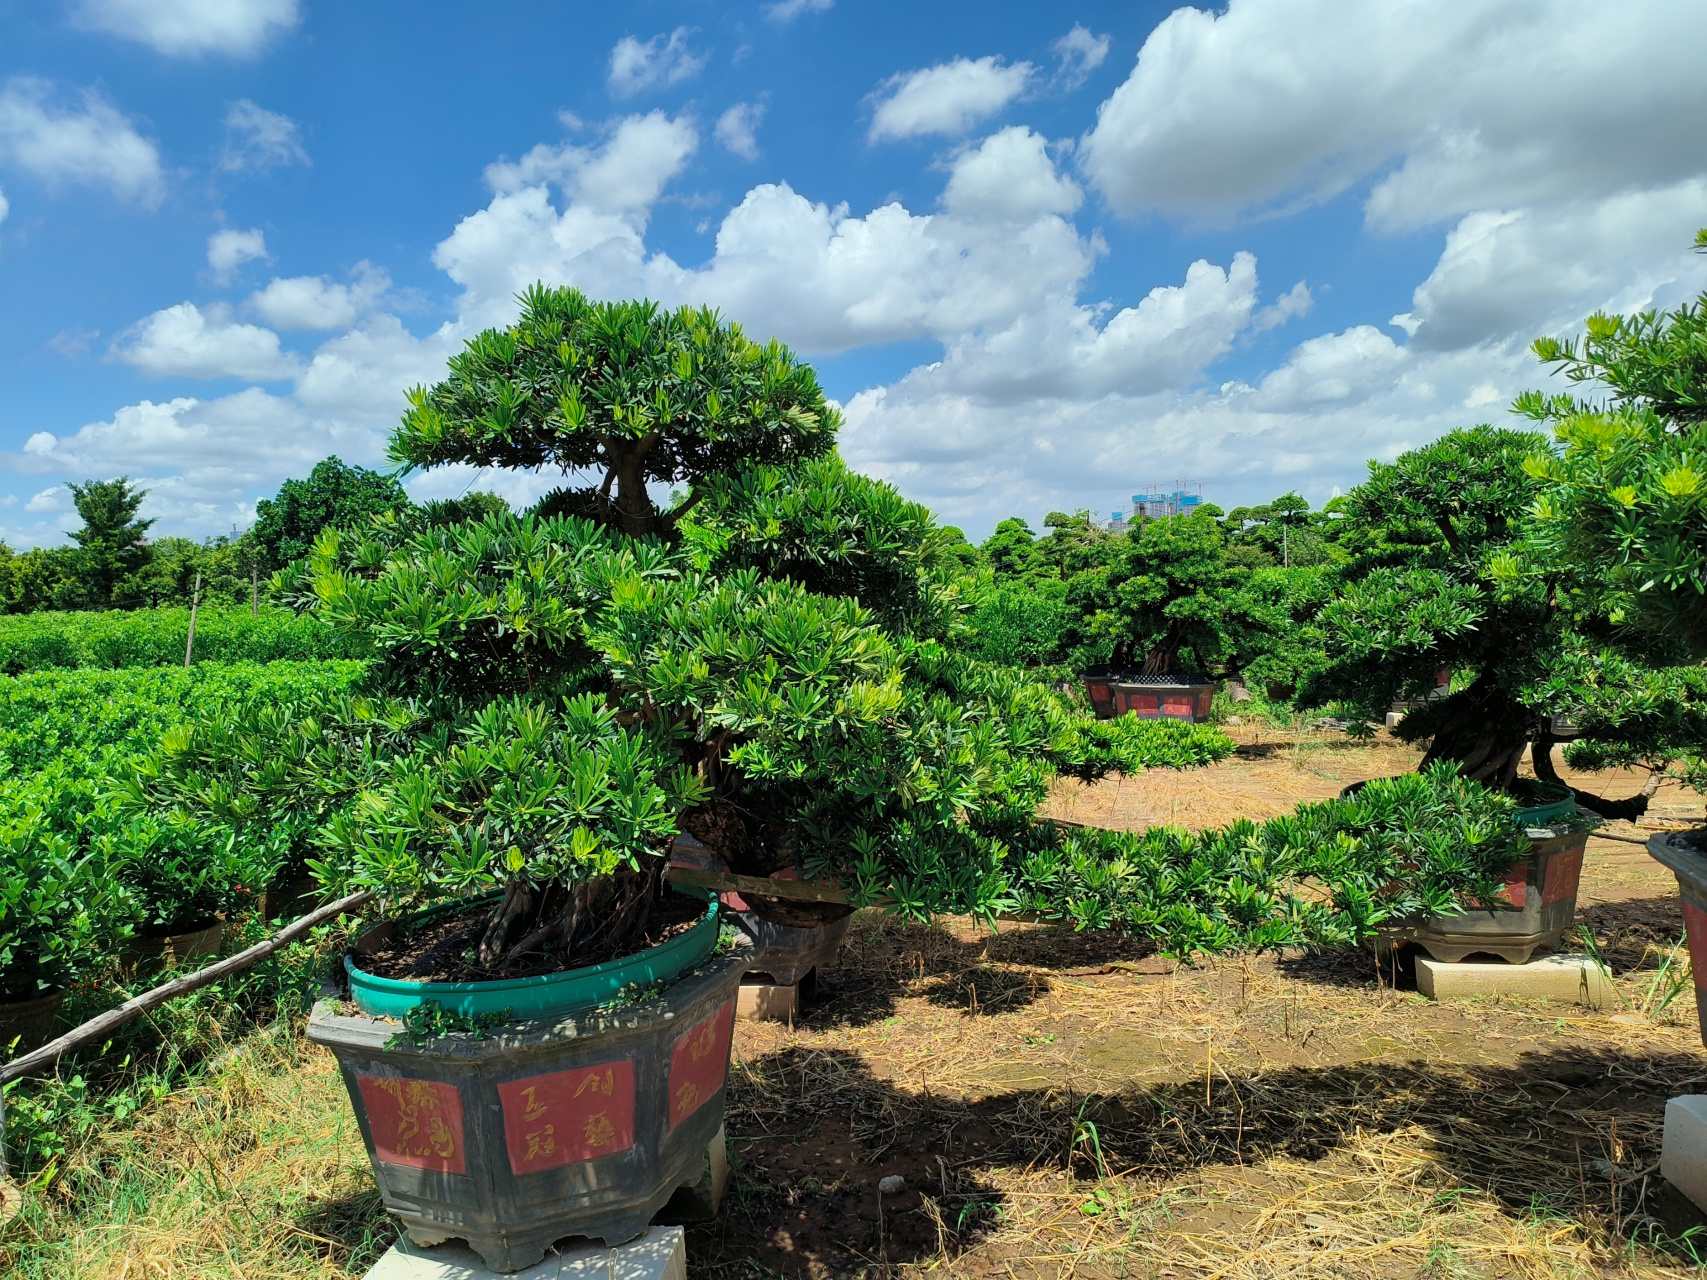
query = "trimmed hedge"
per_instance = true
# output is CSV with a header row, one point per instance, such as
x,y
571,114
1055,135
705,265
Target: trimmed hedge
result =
x,y
156,638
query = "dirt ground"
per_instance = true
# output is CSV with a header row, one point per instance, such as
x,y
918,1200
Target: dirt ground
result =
x,y
1066,1105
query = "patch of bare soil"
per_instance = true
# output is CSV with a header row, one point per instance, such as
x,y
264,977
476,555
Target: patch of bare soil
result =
x,y
1070,1105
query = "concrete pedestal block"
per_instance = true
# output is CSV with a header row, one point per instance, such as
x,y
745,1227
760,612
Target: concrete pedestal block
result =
x,y
701,1201
1395,719
1683,1152
767,1002
660,1254
1576,979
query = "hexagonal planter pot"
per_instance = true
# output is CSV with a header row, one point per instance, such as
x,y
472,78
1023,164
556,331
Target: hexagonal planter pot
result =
x,y
1541,887
1181,697
1099,688
786,954
1688,862
570,1125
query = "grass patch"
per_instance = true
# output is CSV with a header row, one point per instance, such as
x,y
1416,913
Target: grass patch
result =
x,y
255,1172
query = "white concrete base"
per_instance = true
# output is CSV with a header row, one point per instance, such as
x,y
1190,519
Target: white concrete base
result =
x,y
766,1002
660,1254
1395,719
1576,979
1683,1152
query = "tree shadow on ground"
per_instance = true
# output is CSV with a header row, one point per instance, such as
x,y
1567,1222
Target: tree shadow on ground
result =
x,y
1007,969
1572,1134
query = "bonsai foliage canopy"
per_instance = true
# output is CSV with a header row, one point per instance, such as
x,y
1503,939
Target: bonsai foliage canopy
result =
x,y
1624,494
645,395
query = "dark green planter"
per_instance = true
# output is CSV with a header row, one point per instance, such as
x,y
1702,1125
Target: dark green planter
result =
x,y
580,1125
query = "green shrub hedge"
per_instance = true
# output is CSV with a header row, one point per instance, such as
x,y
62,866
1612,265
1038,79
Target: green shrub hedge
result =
x,y
76,874
156,638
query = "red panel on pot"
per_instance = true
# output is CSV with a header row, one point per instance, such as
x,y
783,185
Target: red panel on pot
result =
x,y
1695,929
1142,703
698,1061
415,1122
1099,692
1176,706
1564,871
565,1117
1517,884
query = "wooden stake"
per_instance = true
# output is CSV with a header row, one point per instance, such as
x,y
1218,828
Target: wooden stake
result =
x,y
195,599
98,1027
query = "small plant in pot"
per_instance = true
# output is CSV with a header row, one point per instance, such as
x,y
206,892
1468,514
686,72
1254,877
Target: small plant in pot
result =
x,y
181,882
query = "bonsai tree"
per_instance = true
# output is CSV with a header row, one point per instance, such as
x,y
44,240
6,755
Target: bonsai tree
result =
x,y
643,395
1169,595
553,697
1428,534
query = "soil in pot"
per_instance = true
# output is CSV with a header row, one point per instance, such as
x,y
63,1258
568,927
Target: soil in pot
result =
x,y
445,949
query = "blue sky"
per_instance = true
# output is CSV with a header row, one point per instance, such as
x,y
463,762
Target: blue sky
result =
x,y
1042,256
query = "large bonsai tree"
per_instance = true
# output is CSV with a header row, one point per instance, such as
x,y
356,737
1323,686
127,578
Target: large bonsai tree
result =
x,y
553,698
1429,535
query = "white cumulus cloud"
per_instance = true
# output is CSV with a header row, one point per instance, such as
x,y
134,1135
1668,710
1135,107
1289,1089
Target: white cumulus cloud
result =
x,y
229,249
1009,175
948,98
637,66
737,129
81,138
318,302
257,140
190,27
1079,52
1280,102
186,341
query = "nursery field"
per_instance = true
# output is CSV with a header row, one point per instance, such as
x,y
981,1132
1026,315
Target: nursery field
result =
x,y
1060,1104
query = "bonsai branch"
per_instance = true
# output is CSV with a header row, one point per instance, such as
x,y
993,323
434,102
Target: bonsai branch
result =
x,y
1541,756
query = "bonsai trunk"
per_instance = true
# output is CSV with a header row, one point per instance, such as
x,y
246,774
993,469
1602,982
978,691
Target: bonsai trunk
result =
x,y
1483,732
609,914
633,504
1630,809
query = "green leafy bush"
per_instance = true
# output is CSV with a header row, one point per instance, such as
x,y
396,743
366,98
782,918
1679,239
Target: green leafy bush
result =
x,y
1329,872
157,637
63,737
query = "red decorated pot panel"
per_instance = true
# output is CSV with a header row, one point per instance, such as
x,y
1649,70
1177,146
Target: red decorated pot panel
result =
x,y
415,1122
566,1117
698,1062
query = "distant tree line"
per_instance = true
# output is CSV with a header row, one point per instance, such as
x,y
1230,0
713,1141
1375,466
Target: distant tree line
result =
x,y
113,563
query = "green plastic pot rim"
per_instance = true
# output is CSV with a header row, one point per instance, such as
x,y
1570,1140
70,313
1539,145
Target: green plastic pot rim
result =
x,y
399,994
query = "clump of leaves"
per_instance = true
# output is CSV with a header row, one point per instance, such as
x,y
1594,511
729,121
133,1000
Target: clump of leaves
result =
x,y
1329,872
430,1019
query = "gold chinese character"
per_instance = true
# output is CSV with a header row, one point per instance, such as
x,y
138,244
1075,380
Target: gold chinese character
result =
x,y
535,1108
540,1143
687,1097
600,1131
703,1042
438,1134
592,1082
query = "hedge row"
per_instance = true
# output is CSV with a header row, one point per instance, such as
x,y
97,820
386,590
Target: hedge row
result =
x,y
157,637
